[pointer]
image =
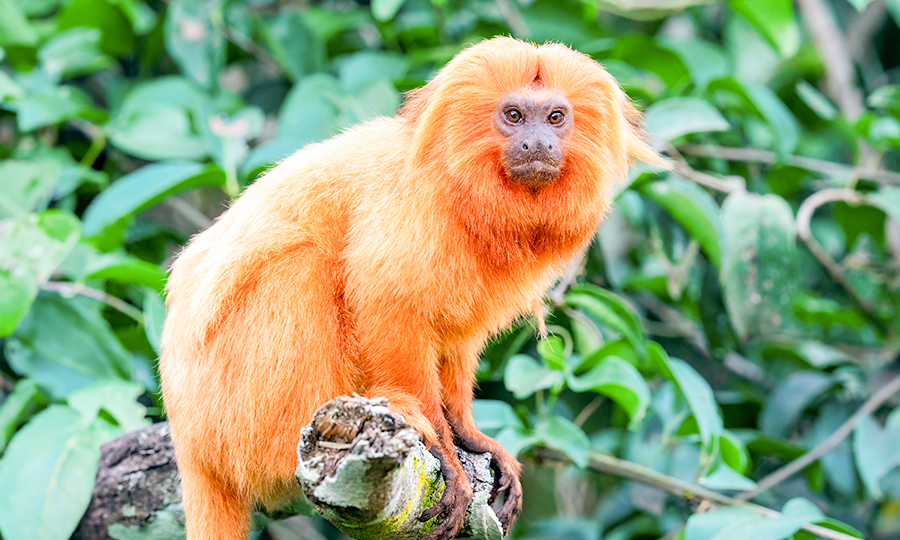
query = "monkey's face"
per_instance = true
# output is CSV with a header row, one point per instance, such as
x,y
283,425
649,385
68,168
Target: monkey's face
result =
x,y
534,126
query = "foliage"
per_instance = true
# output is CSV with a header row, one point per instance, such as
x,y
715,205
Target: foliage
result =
x,y
749,299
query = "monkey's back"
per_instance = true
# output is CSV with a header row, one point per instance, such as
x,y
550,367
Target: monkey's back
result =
x,y
258,334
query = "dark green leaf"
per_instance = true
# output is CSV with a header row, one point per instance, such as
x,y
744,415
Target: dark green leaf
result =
x,y
789,399
142,189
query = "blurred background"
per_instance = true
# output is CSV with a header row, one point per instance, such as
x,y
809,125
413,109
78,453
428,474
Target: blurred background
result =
x,y
732,315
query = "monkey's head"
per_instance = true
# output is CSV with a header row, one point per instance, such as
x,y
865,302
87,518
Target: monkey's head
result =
x,y
543,130
534,124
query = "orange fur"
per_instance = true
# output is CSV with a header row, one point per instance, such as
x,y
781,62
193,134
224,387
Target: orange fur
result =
x,y
377,262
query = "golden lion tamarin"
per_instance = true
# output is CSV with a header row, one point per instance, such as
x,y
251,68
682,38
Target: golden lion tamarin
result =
x,y
380,262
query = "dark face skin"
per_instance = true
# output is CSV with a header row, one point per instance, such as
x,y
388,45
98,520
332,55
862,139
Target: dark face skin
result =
x,y
535,126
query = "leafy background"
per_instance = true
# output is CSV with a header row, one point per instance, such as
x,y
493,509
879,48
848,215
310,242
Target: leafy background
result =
x,y
749,300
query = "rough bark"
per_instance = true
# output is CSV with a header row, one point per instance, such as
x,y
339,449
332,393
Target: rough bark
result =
x,y
359,463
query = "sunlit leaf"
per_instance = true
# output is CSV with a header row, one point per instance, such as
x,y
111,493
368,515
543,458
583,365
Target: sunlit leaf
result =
x,y
620,381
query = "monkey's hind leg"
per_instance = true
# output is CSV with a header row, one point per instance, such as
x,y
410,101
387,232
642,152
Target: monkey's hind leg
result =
x,y
214,511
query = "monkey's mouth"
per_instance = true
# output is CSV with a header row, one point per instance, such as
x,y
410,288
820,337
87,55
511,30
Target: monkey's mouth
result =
x,y
533,173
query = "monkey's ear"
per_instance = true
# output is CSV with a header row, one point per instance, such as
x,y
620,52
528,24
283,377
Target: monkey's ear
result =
x,y
638,148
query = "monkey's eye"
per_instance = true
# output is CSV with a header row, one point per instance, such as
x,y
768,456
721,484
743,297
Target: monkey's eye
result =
x,y
513,116
556,117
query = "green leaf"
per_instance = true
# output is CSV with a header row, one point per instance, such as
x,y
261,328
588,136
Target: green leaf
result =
x,y
610,310
524,376
888,200
117,39
124,268
704,526
694,209
790,398
727,479
783,128
359,69
888,96
294,45
65,344
816,101
694,389
49,106
552,350
317,108
47,476
733,452
142,189
15,407
27,186
384,10
875,450
705,61
14,27
775,20
759,270
195,39
118,398
618,380
73,52
560,434
154,316
494,414
621,348
676,117
158,134
31,248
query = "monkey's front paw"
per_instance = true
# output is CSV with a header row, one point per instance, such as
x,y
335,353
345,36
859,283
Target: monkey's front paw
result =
x,y
453,505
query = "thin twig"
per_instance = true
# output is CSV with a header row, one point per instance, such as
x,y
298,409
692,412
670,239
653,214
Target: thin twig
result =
x,y
828,168
587,411
66,288
191,214
680,165
827,445
840,74
804,233
687,490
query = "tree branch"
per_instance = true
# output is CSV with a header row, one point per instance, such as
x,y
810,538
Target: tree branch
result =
x,y
359,464
66,288
827,445
687,490
827,168
804,233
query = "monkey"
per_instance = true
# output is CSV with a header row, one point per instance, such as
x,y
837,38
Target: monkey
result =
x,y
380,262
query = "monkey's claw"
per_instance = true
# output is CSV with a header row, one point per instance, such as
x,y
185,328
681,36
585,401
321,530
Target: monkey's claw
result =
x,y
453,505
512,502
